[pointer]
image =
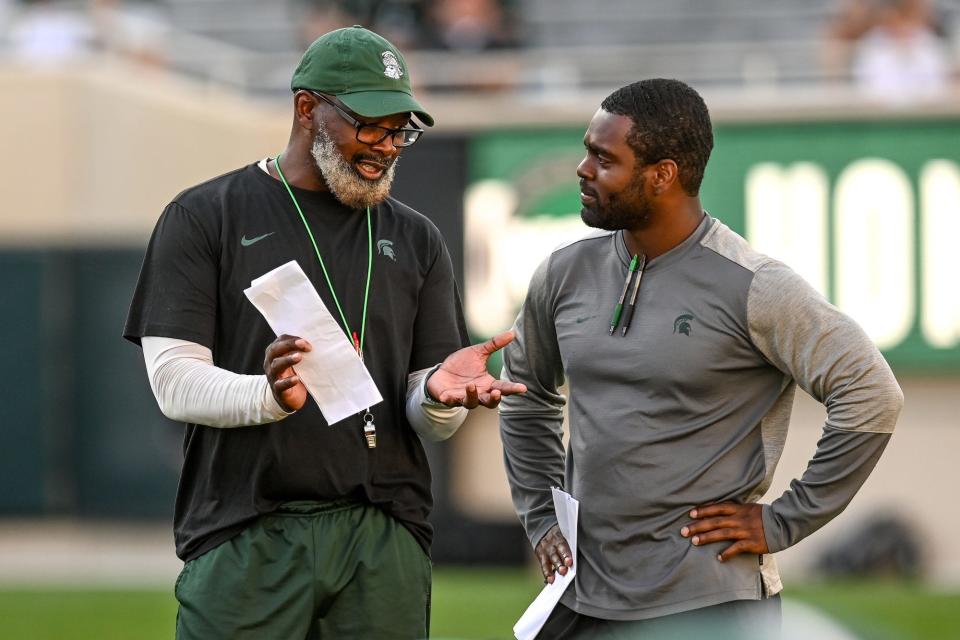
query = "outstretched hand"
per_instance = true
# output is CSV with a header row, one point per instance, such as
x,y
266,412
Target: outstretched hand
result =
x,y
463,381
742,523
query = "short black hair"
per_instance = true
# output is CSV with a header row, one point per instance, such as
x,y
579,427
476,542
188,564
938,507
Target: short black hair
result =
x,y
670,121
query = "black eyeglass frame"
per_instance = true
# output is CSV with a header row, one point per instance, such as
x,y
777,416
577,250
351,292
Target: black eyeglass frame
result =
x,y
402,131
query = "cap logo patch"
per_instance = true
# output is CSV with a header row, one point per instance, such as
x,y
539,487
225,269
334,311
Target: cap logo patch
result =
x,y
391,66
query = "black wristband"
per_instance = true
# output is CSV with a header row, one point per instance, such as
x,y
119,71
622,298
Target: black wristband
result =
x,y
426,379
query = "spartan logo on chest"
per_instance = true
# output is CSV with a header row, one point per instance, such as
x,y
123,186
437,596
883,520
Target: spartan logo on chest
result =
x,y
385,248
683,324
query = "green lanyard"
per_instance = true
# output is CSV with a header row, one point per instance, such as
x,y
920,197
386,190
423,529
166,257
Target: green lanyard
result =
x,y
352,336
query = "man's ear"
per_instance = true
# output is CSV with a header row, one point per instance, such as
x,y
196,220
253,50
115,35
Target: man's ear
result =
x,y
304,106
665,175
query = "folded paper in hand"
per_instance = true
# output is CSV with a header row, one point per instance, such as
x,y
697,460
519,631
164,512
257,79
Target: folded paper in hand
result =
x,y
528,626
332,371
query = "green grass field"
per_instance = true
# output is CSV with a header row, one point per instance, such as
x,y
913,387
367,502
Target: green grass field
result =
x,y
467,604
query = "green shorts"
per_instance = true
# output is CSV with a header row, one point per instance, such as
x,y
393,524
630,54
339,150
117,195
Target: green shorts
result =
x,y
309,571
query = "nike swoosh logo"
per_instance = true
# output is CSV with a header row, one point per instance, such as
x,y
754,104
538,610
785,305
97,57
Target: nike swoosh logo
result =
x,y
246,243
585,318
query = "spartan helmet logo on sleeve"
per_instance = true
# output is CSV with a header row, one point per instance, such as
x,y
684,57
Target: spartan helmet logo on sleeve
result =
x,y
391,66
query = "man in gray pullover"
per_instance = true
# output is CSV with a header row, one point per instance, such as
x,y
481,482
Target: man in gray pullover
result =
x,y
679,406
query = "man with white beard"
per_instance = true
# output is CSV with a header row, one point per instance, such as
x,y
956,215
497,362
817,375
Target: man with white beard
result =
x,y
288,527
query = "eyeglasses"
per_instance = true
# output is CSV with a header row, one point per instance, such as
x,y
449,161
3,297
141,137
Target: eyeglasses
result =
x,y
372,134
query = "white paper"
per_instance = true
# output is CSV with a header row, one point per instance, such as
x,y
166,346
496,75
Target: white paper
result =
x,y
332,371
532,620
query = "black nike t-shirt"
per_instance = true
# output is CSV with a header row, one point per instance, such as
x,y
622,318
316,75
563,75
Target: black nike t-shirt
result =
x,y
208,245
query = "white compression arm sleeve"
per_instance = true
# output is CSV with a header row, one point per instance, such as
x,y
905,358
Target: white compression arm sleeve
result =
x,y
431,420
190,388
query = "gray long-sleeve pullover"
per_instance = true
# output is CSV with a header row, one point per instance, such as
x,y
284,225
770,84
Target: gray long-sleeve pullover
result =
x,y
691,407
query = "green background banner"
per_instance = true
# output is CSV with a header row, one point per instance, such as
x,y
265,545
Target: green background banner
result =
x,y
846,159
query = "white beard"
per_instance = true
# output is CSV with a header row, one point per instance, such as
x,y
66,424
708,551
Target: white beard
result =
x,y
348,186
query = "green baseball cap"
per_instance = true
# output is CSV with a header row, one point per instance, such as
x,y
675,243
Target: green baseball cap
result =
x,y
361,68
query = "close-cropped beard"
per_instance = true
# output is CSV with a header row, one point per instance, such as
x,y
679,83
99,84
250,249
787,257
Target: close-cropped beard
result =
x,y
627,209
348,186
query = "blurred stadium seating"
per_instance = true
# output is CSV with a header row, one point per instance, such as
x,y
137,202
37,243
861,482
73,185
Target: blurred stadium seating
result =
x,y
556,45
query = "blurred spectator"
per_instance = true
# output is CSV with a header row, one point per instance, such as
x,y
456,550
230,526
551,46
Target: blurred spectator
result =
x,y
321,17
892,48
138,31
44,32
6,11
902,57
399,21
885,545
469,25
